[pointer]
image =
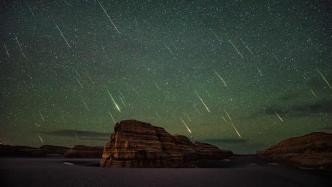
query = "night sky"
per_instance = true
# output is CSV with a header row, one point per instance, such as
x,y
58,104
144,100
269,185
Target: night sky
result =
x,y
239,74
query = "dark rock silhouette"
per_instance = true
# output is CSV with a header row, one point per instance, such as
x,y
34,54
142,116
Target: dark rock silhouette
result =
x,y
139,144
26,151
78,151
82,151
53,150
311,150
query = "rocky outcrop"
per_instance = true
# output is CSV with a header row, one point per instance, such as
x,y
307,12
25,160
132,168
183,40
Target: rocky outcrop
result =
x,y
311,150
139,144
82,151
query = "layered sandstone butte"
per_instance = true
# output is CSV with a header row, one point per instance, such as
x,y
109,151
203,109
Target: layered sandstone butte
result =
x,y
311,150
82,151
139,144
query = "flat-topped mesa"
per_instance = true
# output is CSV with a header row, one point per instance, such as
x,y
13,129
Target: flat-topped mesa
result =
x,y
138,144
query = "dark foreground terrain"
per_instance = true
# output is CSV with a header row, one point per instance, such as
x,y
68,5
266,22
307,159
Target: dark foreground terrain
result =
x,y
237,171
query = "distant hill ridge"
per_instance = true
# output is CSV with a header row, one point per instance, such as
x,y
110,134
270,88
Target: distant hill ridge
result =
x,y
77,151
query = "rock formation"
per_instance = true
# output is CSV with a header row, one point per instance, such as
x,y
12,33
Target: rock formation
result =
x,y
20,151
139,144
82,151
26,151
311,150
52,150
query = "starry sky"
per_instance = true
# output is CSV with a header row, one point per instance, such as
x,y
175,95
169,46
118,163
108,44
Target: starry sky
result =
x,y
239,74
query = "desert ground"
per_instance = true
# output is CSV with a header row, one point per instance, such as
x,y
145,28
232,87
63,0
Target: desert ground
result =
x,y
237,171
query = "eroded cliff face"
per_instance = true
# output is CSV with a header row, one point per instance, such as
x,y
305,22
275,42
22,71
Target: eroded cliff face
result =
x,y
311,150
139,144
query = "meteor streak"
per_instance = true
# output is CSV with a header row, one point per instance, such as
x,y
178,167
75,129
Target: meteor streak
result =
x,y
158,116
62,35
231,122
169,49
41,139
79,82
20,46
41,116
236,49
110,114
185,124
217,37
279,117
108,16
259,71
201,99
246,46
220,77
6,49
313,92
113,100
324,78
86,105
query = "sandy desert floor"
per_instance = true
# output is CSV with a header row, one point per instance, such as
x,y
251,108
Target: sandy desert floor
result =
x,y
238,171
